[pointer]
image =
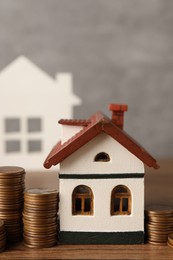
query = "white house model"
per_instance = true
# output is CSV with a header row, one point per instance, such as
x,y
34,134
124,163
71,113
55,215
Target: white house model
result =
x,y
31,105
101,181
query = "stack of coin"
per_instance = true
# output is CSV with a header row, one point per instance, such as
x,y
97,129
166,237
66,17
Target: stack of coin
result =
x,y
158,224
170,240
2,236
40,218
11,201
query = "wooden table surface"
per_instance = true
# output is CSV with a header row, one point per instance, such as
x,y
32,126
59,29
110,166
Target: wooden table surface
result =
x,y
158,189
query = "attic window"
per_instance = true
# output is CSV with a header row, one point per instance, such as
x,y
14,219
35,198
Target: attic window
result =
x,y
102,157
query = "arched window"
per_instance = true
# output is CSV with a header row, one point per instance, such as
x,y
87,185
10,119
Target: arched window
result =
x,y
102,157
82,201
121,201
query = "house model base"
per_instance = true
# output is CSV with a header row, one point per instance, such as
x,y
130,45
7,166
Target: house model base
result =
x,y
101,238
101,181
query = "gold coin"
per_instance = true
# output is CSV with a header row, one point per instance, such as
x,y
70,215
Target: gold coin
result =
x,y
170,238
40,192
159,210
39,225
11,188
158,239
155,220
40,234
159,215
6,205
42,227
4,170
169,244
37,215
16,195
12,181
37,245
159,231
166,222
40,213
47,208
41,196
9,202
158,235
40,242
14,224
156,243
43,208
37,239
8,217
159,224
44,240
39,222
42,203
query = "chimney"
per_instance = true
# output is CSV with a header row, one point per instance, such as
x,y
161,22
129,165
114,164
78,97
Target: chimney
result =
x,y
118,114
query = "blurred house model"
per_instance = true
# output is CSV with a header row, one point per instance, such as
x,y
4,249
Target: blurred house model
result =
x,y
31,104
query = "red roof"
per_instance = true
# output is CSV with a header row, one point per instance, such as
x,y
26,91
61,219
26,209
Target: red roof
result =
x,y
96,124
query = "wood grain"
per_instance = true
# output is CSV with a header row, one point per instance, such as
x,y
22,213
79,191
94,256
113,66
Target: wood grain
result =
x,y
158,189
145,251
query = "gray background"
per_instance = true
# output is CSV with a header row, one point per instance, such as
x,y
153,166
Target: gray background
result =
x,y
118,51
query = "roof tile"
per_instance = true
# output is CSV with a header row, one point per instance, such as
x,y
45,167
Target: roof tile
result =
x,y
95,125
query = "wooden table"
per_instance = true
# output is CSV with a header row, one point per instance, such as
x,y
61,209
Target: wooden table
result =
x,y
145,251
158,189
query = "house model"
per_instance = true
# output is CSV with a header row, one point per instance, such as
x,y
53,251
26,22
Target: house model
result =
x,y
101,181
31,104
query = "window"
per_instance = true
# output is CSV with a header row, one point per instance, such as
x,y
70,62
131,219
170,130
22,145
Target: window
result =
x,y
12,130
34,125
23,135
102,157
34,146
82,201
12,146
12,125
121,201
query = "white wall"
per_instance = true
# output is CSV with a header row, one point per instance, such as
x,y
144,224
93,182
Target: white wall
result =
x,y
82,161
101,219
